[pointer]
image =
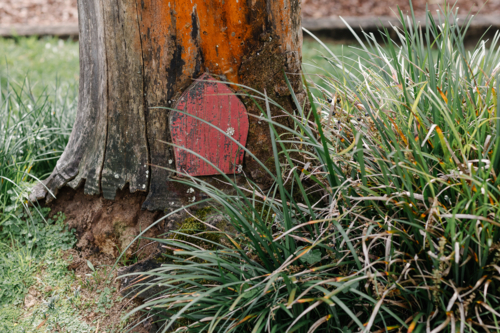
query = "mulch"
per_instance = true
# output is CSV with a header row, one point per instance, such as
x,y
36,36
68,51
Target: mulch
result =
x,y
54,12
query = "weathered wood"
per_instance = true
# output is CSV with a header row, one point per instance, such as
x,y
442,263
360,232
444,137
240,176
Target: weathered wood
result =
x,y
93,101
215,103
137,56
127,157
82,158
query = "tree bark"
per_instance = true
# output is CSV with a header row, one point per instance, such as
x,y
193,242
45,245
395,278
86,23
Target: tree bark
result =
x,y
137,55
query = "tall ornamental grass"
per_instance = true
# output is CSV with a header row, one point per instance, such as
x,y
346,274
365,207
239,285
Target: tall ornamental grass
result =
x,y
34,130
38,99
385,211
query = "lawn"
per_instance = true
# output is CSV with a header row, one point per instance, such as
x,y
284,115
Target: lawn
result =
x,y
46,63
392,207
316,58
38,292
39,89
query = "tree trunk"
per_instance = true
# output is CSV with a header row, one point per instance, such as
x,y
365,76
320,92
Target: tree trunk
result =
x,y
137,55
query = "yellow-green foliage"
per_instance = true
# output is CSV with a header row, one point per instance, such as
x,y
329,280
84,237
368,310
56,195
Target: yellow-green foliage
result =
x,y
194,226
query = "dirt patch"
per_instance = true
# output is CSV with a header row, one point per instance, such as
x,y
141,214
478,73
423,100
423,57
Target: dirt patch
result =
x,y
100,289
104,229
107,226
78,292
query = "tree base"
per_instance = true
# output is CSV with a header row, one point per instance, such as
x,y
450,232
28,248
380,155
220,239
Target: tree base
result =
x,y
109,226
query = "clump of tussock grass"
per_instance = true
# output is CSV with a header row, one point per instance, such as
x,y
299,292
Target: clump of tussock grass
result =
x,y
38,99
403,151
34,131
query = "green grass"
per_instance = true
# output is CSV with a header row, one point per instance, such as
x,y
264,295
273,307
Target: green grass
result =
x,y
392,195
385,212
316,62
34,268
31,251
38,96
38,99
46,63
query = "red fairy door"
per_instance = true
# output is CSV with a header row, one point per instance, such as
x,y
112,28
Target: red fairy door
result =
x,y
216,104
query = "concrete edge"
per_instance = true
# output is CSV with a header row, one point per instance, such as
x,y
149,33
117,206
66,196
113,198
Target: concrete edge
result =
x,y
376,22
60,30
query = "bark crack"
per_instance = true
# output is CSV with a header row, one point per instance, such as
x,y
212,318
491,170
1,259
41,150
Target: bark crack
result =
x,y
146,110
107,99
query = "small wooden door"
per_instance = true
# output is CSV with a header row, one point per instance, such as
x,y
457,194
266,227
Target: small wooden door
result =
x,y
215,103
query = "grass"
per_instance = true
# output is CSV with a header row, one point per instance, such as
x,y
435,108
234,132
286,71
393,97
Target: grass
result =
x,y
31,263
46,63
318,61
315,57
385,211
384,214
38,99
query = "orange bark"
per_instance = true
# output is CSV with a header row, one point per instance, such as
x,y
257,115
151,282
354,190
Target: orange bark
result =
x,y
223,31
138,55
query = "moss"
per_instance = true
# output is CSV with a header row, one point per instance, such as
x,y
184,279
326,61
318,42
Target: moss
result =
x,y
263,210
194,226
119,228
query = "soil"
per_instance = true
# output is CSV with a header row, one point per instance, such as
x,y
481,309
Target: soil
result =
x,y
112,317
108,227
98,296
53,12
